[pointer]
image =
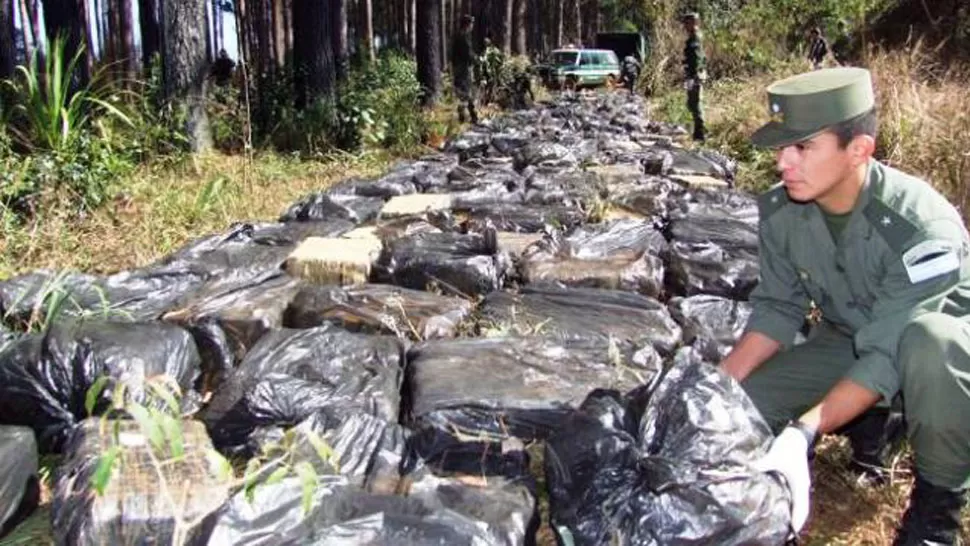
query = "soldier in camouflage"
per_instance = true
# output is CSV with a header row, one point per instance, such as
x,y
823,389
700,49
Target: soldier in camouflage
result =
x,y
695,72
886,258
462,65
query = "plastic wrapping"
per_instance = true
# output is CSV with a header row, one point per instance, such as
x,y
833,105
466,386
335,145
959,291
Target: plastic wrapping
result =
x,y
623,254
706,268
134,508
19,485
131,295
710,323
291,374
378,308
461,264
435,512
323,206
226,322
582,313
45,379
525,218
669,464
503,387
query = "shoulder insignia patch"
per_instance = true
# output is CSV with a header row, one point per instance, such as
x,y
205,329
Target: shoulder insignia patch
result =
x,y
931,258
894,228
772,201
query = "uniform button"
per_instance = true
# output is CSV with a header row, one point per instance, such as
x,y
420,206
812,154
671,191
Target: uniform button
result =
x,y
839,268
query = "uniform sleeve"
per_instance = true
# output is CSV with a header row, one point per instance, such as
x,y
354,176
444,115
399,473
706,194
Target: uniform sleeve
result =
x,y
905,293
692,58
779,301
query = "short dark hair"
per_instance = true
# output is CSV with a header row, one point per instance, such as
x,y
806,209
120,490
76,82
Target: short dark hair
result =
x,y
863,124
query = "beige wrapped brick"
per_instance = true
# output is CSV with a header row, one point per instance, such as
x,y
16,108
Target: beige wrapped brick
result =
x,y
700,181
414,204
325,260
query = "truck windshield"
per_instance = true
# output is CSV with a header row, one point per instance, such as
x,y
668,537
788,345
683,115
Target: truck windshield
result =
x,y
562,58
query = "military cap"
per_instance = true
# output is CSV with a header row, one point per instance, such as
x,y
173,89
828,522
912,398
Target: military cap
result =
x,y
690,16
805,105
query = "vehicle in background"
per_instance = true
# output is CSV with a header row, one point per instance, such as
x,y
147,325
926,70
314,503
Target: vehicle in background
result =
x,y
573,68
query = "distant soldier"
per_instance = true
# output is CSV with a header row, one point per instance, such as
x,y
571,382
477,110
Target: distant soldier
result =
x,y
462,64
695,72
222,68
818,48
523,97
631,72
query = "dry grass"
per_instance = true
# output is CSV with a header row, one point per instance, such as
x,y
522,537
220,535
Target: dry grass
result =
x,y
163,208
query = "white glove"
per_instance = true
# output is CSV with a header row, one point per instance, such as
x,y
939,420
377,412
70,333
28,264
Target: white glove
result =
x,y
689,84
788,456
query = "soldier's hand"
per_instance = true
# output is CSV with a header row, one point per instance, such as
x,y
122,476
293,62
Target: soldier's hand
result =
x,y
788,457
689,84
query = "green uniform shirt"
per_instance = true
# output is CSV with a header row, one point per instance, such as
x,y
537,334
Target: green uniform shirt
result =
x,y
695,62
903,252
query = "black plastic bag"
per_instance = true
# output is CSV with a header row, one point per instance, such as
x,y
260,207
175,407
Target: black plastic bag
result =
x,y
623,254
537,153
291,374
45,379
139,295
711,324
323,206
226,322
706,268
551,187
666,465
247,253
582,313
719,226
438,513
134,507
19,485
649,198
524,387
378,308
462,264
524,218
469,144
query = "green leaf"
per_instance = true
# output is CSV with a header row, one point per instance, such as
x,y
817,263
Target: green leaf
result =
x,y
172,428
219,466
91,397
149,427
102,474
323,449
308,478
249,481
162,389
277,475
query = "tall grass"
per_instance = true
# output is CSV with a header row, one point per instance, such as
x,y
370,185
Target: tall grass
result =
x,y
922,103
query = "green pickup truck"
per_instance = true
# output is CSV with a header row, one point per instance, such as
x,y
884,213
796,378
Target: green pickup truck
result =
x,y
574,68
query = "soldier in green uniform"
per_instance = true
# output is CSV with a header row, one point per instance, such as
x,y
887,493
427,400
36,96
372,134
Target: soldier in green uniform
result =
x,y
885,258
695,72
462,64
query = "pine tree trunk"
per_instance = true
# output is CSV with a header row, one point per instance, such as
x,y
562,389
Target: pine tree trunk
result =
x,y
184,42
313,51
367,29
279,32
150,31
429,51
341,45
507,11
8,51
126,40
519,27
63,18
558,29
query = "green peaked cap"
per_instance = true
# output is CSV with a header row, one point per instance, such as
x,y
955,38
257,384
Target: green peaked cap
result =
x,y
803,106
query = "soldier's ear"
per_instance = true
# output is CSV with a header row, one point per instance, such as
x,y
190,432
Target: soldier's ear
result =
x,y
861,149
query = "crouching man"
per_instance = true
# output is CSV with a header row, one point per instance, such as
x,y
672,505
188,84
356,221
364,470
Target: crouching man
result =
x,y
885,259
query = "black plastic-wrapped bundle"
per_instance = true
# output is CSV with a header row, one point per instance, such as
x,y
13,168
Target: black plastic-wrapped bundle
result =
x,y
666,464
45,378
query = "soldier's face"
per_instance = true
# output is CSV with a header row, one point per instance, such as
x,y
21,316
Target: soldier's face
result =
x,y
814,168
